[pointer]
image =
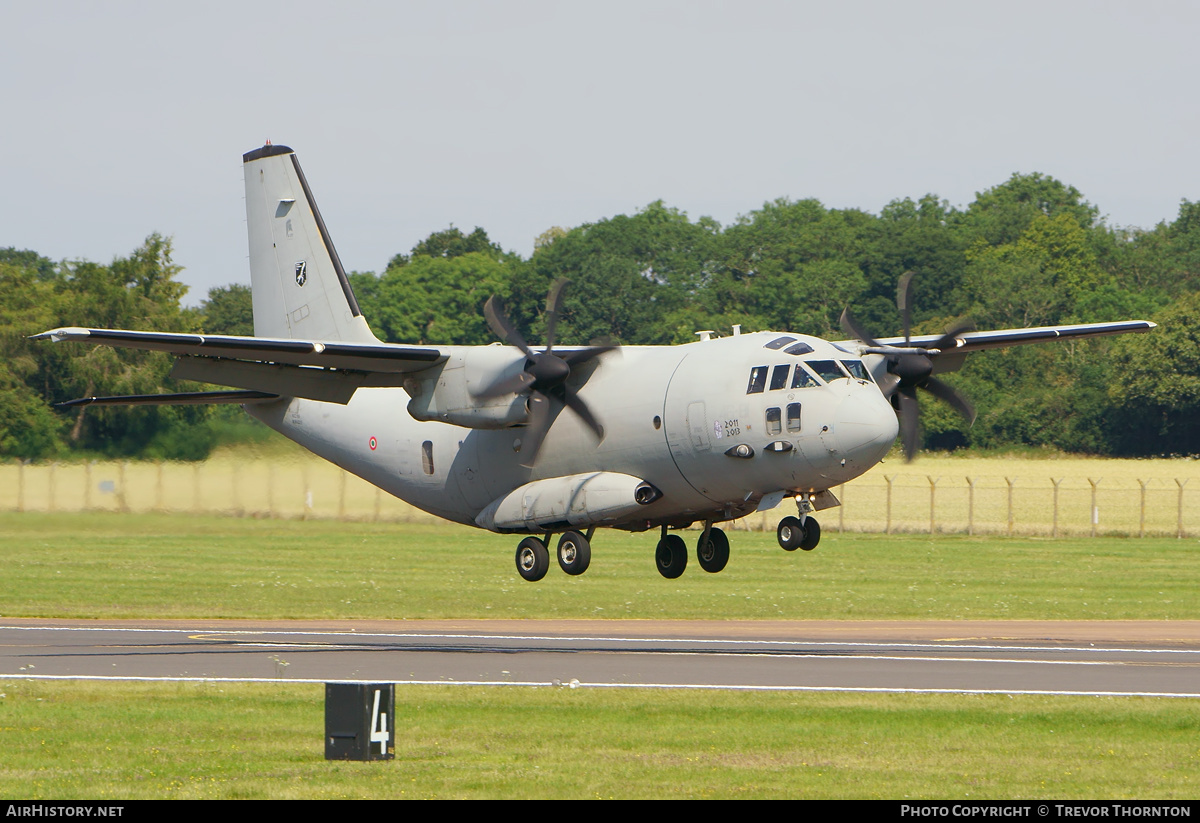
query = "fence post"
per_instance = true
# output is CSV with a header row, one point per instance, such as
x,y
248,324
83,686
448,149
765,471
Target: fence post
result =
x,y
971,505
342,495
1054,528
1010,481
1142,517
888,528
932,490
1179,514
159,501
1095,510
122,494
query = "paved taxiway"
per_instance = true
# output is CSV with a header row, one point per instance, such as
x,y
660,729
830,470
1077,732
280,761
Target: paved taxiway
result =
x,y
1110,657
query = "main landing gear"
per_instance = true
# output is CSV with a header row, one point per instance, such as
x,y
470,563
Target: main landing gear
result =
x,y
712,551
574,555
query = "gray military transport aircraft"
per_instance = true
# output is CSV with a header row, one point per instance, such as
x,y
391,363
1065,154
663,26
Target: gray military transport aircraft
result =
x,y
658,436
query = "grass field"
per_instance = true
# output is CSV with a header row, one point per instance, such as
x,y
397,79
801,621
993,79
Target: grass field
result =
x,y
65,740
121,741
147,566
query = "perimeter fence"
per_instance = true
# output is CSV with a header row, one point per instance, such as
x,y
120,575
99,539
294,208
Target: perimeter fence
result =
x,y
904,500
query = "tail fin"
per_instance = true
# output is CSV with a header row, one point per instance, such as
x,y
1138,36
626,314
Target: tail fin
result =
x,y
297,282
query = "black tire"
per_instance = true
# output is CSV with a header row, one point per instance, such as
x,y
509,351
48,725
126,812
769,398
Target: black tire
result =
x,y
789,533
671,556
574,553
812,534
533,559
715,554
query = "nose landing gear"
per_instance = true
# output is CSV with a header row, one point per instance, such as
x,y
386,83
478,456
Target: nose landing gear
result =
x,y
801,532
792,534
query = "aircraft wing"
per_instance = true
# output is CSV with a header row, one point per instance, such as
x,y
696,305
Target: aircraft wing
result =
x,y
950,359
982,340
330,371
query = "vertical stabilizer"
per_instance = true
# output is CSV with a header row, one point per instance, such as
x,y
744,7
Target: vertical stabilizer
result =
x,y
297,282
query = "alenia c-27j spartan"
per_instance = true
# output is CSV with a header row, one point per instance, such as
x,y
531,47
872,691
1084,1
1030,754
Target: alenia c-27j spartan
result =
x,y
653,437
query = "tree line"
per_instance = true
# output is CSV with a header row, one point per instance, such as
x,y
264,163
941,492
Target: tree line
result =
x,y
1028,252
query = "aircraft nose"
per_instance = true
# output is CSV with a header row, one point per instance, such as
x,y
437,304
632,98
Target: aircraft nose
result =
x,y
867,426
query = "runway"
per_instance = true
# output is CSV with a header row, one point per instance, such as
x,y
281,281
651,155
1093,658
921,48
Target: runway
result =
x,y
1101,658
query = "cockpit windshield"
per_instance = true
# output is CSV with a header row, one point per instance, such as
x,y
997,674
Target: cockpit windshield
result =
x,y
827,370
857,369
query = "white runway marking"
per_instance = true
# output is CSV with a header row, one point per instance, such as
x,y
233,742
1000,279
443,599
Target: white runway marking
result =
x,y
579,685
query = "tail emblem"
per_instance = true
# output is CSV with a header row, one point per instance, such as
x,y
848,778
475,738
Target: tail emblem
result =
x,y
301,272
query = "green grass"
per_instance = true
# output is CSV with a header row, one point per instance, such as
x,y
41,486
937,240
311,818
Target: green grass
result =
x,y
121,741
161,566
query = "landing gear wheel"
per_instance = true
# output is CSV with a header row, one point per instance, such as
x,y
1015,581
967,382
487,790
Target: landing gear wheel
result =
x,y
713,553
671,556
574,553
812,534
790,534
533,559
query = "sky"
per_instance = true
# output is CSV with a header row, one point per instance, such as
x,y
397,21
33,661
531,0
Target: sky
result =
x,y
126,118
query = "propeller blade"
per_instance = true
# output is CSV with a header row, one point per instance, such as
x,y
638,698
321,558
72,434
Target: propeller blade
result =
x,y
583,355
910,417
948,394
949,340
497,320
904,303
888,384
535,430
553,311
575,403
506,385
852,328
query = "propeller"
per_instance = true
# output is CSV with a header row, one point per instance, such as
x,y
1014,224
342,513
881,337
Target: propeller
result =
x,y
910,368
545,374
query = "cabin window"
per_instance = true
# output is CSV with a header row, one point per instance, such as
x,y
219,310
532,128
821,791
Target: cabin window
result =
x,y
427,456
803,380
793,417
773,417
779,377
857,369
827,370
758,380
779,342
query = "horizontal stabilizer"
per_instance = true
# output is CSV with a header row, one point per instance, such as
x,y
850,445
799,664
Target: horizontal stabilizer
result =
x,y
191,398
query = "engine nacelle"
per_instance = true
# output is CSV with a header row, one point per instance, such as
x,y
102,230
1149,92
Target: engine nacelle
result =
x,y
446,393
579,500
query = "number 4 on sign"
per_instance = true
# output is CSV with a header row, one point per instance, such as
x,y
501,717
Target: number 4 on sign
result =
x,y
379,728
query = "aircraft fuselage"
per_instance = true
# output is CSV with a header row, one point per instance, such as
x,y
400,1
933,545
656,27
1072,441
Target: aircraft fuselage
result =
x,y
674,416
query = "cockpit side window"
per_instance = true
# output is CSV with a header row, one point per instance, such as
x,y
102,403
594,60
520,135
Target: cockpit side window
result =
x,y
779,377
857,370
773,424
827,370
803,380
758,380
779,342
